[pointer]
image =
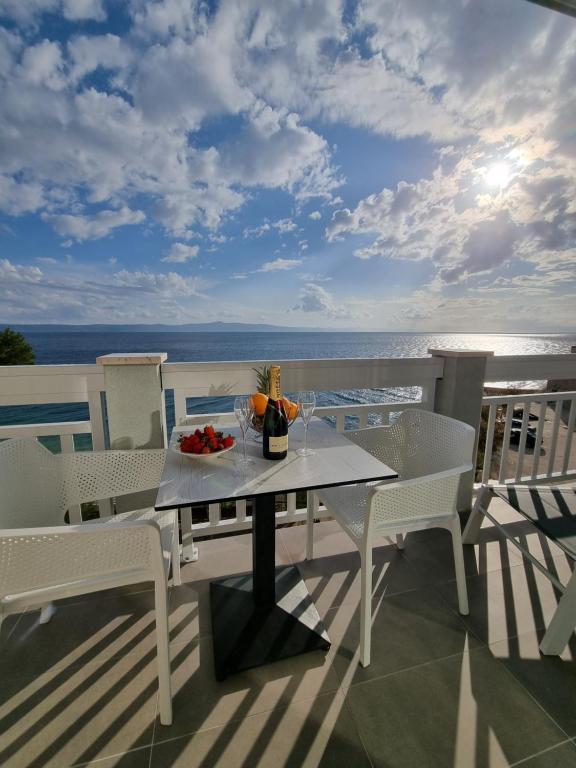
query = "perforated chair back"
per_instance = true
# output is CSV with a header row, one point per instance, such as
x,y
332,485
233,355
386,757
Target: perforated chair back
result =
x,y
419,443
31,485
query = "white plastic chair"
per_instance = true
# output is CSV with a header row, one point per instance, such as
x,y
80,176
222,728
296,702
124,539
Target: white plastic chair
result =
x,y
42,559
430,453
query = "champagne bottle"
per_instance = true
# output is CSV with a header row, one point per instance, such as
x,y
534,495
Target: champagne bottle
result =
x,y
275,433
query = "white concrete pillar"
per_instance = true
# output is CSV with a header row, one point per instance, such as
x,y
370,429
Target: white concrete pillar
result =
x,y
134,400
135,408
459,394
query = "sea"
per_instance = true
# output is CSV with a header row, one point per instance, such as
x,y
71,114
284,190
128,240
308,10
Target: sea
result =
x,y
62,347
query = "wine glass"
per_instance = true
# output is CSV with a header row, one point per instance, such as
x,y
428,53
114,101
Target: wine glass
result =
x,y
306,405
244,411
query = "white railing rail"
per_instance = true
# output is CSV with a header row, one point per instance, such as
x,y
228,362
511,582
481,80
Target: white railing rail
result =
x,y
216,379
530,367
47,384
549,437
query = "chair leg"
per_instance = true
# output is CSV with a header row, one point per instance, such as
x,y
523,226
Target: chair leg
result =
x,y
312,511
459,566
163,653
176,576
474,523
46,613
400,541
366,606
563,622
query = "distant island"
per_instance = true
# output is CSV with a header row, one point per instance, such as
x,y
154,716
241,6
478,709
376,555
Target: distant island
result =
x,y
159,328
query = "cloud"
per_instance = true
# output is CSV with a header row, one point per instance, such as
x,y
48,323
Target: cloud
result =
x,y
316,299
167,283
315,215
284,225
279,265
181,253
87,54
20,197
47,260
42,65
16,273
91,228
256,231
29,11
460,224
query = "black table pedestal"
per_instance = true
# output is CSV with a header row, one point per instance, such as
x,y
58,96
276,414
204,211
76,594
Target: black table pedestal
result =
x,y
264,616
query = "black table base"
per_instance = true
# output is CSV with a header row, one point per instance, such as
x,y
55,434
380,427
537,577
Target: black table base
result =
x,y
264,616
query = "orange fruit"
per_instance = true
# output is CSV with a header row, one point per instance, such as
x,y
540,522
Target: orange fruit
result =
x,y
259,403
290,408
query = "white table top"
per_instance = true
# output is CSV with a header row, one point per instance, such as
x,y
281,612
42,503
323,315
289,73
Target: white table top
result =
x,y
335,461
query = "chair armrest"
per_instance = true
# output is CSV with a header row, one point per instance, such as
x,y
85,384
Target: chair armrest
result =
x,y
94,475
39,558
418,498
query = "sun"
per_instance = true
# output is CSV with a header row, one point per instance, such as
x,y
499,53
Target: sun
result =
x,y
498,175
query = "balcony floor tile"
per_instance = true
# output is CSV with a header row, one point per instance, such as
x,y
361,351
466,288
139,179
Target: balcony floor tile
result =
x,y
551,680
507,603
84,687
465,710
66,716
402,628
201,702
317,733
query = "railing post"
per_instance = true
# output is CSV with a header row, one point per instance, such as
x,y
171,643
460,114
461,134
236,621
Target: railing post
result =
x,y
459,395
135,407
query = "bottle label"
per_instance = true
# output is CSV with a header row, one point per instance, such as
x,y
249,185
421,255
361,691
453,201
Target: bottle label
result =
x,y
274,389
278,444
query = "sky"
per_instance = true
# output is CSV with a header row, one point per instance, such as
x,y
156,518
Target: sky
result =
x,y
355,165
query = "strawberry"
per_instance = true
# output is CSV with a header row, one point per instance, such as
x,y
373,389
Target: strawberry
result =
x,y
209,431
197,448
228,441
198,432
205,449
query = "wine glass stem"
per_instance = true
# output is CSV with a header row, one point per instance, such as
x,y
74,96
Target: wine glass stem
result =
x,y
244,443
305,436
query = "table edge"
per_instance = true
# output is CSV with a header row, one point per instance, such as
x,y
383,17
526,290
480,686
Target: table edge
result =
x,y
244,497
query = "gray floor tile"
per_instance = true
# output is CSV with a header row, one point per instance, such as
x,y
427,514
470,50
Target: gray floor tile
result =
x,y
434,558
79,634
68,716
407,629
551,680
334,580
136,758
8,627
507,603
329,539
226,556
563,756
201,702
461,711
314,733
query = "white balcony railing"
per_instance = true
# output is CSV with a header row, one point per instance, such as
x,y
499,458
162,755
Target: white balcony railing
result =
x,y
519,453
503,460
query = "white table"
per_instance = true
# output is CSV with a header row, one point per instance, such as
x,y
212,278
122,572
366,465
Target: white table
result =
x,y
268,614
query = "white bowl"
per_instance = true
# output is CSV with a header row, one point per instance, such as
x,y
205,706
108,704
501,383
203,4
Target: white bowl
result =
x,y
176,449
